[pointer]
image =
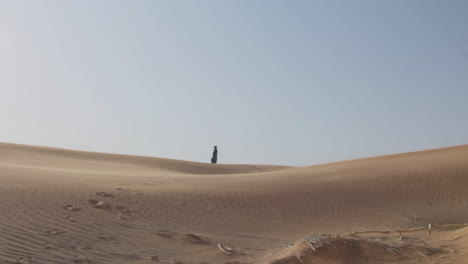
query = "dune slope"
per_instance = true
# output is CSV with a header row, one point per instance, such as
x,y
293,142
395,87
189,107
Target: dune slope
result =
x,y
64,206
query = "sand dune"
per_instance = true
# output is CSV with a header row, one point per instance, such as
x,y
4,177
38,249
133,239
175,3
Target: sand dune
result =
x,y
64,206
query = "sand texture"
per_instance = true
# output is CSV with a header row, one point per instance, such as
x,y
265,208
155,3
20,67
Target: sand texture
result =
x,y
64,206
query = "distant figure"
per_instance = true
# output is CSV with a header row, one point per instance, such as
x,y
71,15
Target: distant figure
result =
x,y
214,159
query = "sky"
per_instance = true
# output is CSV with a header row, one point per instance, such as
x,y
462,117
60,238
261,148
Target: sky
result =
x,y
268,82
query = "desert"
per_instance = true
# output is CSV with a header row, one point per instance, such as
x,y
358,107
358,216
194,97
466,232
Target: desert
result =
x,y
65,206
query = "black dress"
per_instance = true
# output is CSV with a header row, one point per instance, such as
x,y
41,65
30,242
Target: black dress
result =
x,y
214,159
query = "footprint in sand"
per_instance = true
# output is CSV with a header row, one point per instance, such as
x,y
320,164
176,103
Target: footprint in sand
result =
x,y
123,212
166,234
71,208
49,247
154,258
71,219
196,239
24,260
103,205
84,248
187,237
121,216
92,201
105,194
100,204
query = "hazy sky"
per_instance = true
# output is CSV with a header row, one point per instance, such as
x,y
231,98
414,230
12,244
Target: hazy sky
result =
x,y
272,82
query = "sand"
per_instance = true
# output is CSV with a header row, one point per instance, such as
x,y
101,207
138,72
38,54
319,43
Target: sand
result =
x,y
64,206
